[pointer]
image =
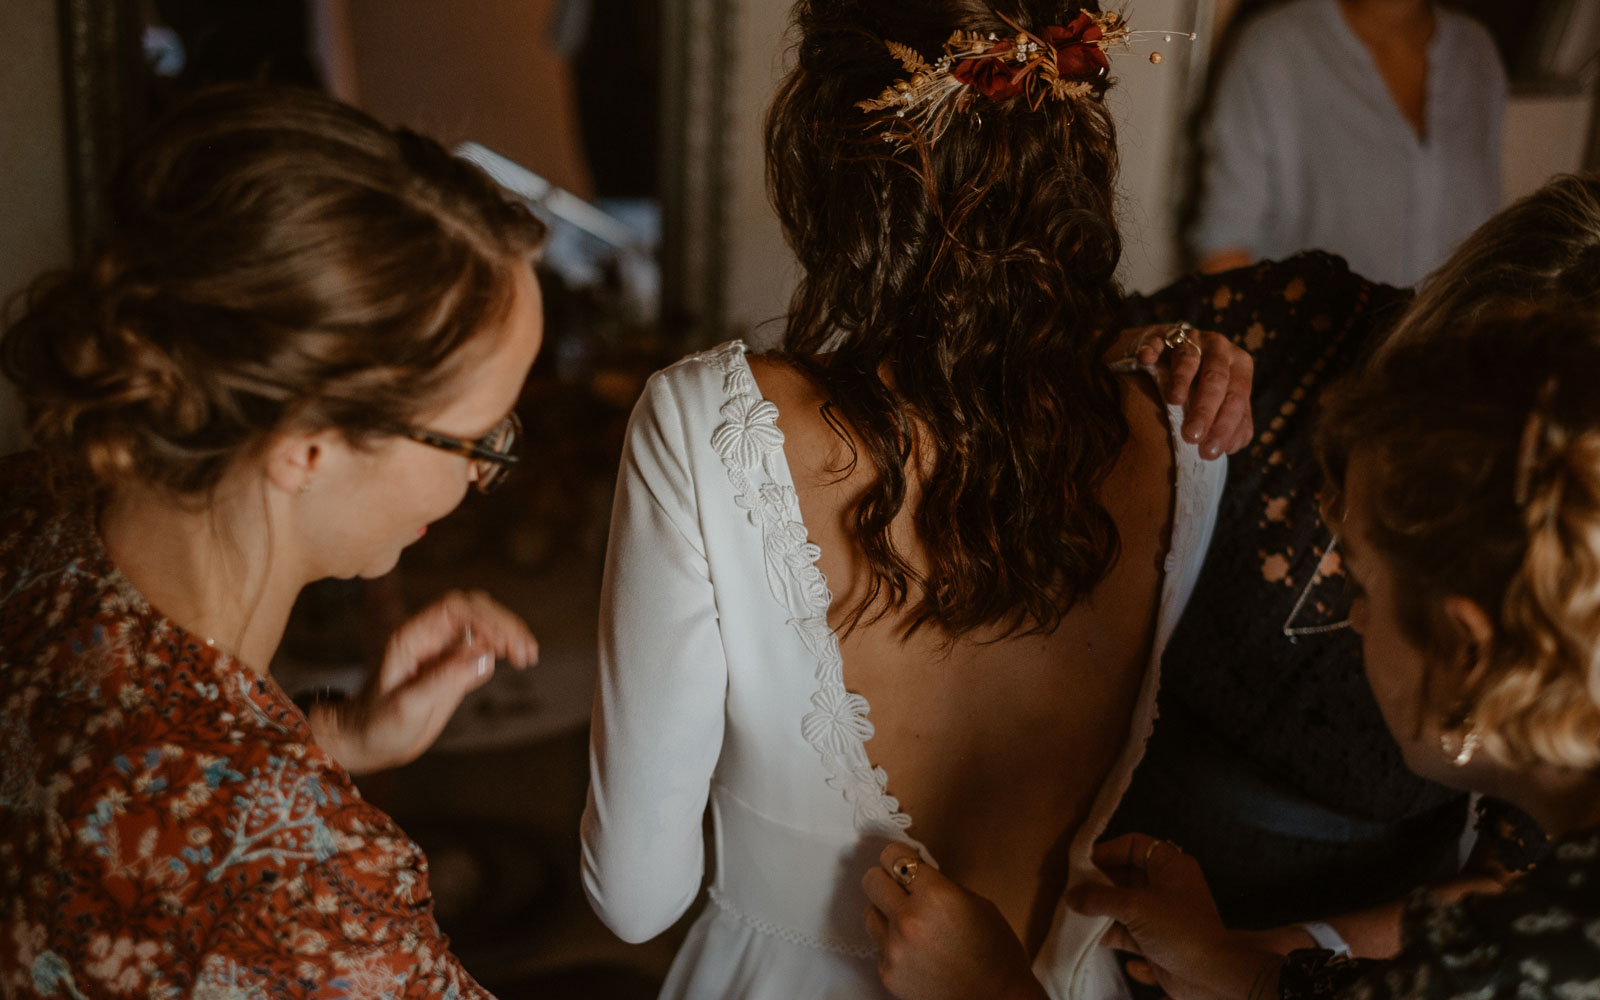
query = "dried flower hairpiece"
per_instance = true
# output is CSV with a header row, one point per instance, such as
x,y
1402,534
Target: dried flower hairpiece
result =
x,y
1058,63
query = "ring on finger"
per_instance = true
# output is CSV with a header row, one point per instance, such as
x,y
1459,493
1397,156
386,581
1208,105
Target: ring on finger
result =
x,y
1178,336
1152,849
904,871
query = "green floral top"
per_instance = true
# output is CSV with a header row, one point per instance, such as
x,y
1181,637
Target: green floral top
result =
x,y
1539,939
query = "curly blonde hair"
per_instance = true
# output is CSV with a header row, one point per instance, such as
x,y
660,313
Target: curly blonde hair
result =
x,y
271,258
1488,441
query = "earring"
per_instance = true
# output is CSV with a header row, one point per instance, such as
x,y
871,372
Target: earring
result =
x,y
1462,756
305,487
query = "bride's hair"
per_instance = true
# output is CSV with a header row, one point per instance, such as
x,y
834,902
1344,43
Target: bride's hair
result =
x,y
960,293
1487,450
270,257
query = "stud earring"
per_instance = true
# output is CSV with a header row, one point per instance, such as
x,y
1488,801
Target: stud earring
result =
x,y
305,487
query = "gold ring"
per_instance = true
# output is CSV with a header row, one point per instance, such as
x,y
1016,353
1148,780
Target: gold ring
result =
x,y
904,871
1152,849
1177,336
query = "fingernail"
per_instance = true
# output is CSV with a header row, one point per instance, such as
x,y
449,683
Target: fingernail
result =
x,y
1211,451
1191,435
485,661
466,636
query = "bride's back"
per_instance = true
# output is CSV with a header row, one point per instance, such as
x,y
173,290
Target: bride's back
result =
x,y
994,744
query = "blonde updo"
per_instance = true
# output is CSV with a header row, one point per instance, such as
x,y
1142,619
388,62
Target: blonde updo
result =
x,y
271,257
1488,442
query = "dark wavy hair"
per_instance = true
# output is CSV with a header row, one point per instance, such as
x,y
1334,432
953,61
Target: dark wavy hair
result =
x,y
954,308
272,258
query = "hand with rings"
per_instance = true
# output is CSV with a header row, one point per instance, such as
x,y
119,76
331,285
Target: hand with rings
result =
x,y
938,941
1202,371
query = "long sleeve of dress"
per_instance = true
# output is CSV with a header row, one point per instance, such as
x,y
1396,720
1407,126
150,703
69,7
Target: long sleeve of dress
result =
x,y
659,708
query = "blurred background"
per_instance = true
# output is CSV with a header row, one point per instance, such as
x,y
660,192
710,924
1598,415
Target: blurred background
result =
x,y
635,128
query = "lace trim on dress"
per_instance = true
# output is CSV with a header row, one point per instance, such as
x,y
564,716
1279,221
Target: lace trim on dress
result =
x,y
788,934
751,448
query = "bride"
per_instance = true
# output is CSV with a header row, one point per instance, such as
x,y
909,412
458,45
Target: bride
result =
x,y
910,577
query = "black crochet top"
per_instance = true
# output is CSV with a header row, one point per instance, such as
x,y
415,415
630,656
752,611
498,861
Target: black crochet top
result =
x,y
1269,762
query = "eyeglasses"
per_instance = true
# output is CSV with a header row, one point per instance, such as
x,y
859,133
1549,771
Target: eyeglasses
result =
x,y
1294,631
492,455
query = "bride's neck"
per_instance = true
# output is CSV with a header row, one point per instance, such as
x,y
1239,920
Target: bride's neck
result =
x,y
213,568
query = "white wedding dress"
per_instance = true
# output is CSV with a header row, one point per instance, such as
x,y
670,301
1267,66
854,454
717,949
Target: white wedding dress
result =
x,y
721,687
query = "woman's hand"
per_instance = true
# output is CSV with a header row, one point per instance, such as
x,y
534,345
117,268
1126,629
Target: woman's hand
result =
x,y
1164,914
936,940
429,665
1207,374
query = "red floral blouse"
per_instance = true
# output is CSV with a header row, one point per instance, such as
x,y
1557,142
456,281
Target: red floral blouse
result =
x,y
167,826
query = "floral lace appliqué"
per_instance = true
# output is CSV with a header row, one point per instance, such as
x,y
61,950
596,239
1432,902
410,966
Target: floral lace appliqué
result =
x,y
751,448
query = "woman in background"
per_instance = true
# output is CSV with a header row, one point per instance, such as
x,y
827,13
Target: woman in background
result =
x,y
299,344
1366,128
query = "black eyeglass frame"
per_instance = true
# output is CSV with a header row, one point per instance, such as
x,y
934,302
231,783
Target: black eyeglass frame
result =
x,y
476,450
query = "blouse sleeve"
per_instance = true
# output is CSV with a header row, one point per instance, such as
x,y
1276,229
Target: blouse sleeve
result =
x,y
659,708
1478,947
357,924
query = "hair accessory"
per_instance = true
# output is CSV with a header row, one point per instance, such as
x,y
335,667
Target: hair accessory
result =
x,y
1057,63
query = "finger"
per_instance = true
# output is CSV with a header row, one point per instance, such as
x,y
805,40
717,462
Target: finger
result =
x,y
1117,937
1151,346
497,628
1123,851
877,925
1233,418
883,891
1182,364
1095,900
1224,432
1210,389
1141,971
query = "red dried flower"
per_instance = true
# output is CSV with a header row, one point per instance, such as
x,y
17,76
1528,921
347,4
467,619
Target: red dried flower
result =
x,y
1077,55
991,75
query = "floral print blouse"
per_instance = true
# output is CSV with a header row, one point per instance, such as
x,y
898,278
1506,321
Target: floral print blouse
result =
x,y
167,826
1539,939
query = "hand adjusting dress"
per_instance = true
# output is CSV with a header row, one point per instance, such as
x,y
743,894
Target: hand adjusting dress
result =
x,y
721,686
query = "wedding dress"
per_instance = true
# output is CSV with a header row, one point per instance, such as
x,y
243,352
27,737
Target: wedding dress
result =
x,y
721,688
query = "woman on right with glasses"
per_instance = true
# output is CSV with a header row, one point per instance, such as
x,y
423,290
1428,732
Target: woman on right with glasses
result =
x,y
1467,493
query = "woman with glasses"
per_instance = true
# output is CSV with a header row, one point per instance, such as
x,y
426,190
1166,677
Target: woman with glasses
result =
x,y
298,344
